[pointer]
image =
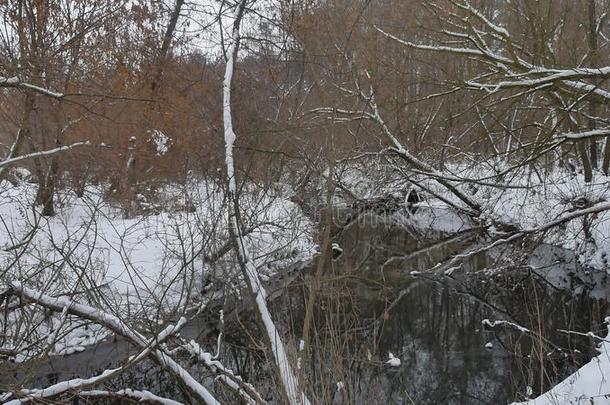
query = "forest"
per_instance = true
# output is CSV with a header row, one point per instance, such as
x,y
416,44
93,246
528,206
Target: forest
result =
x,y
304,202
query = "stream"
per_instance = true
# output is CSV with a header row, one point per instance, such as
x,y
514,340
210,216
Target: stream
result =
x,y
379,297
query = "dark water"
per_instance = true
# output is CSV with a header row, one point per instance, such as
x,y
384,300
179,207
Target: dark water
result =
x,y
371,303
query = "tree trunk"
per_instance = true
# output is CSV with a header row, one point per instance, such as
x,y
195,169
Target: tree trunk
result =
x,y
325,250
586,163
167,39
22,133
593,151
48,202
284,368
606,162
592,37
46,196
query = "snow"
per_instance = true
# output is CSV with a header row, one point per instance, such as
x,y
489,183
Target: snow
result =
x,y
531,203
229,134
160,141
45,153
16,82
118,326
137,258
140,396
233,381
141,261
589,385
278,350
193,385
22,173
499,30
492,324
393,361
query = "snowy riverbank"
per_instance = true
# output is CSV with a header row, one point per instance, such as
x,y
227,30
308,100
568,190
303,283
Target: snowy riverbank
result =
x,y
527,200
152,262
140,267
589,385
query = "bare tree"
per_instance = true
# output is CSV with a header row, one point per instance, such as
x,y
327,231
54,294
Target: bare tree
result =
x,y
285,368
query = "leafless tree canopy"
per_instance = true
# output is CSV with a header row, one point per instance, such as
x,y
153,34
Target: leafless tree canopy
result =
x,y
171,172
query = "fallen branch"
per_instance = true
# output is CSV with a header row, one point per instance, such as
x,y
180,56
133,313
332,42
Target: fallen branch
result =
x,y
139,396
234,382
601,207
78,384
119,327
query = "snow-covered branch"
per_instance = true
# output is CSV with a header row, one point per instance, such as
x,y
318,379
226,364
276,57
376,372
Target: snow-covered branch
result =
x,y
494,27
139,396
595,133
399,149
551,76
119,327
515,236
78,384
437,48
234,382
284,368
15,82
519,72
42,154
492,324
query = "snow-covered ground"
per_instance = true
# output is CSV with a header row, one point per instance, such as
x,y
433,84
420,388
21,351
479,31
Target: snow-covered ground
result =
x,y
140,266
525,198
588,386
153,261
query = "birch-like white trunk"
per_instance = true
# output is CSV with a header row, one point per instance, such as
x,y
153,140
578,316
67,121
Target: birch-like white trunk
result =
x,y
285,370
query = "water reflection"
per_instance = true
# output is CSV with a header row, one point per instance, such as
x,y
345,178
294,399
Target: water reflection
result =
x,y
370,305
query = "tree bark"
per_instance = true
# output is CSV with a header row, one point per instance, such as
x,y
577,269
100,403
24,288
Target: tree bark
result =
x,y
592,37
289,385
22,132
586,162
167,39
